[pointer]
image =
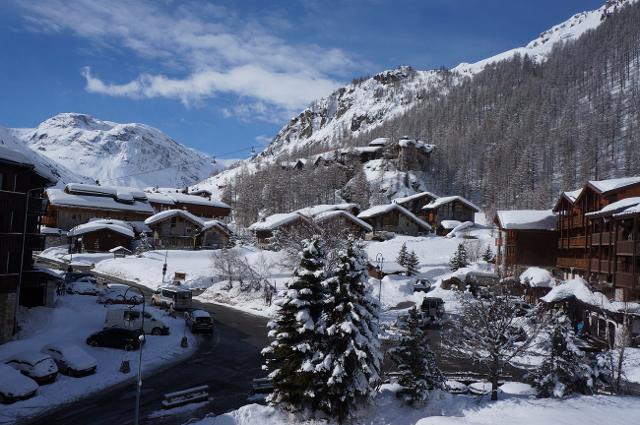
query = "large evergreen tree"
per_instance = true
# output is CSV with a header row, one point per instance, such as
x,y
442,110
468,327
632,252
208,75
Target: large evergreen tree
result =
x,y
403,254
349,359
564,370
412,264
417,367
295,331
459,258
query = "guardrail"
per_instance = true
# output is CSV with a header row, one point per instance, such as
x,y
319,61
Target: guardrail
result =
x,y
190,395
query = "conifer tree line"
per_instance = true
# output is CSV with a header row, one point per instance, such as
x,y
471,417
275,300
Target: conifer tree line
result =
x,y
513,136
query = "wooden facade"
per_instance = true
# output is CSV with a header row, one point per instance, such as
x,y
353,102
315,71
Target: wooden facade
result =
x,y
448,208
66,217
21,206
394,218
101,240
175,232
414,203
596,245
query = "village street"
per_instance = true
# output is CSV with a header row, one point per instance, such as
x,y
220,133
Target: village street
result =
x,y
226,361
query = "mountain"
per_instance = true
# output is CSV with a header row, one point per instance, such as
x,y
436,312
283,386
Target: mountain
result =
x,y
510,131
117,154
9,139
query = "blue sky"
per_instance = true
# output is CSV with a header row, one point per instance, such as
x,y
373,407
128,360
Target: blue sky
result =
x,y
222,76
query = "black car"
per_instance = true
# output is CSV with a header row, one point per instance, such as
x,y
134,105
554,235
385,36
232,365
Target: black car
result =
x,y
198,321
125,339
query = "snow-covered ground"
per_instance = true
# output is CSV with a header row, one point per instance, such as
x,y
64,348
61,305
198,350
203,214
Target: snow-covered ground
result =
x,y
516,407
71,321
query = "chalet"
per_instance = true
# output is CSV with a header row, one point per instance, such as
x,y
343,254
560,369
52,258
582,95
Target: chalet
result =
x,y
175,229
394,218
265,229
588,238
163,199
21,206
414,203
79,203
203,193
526,238
214,235
448,208
101,235
341,221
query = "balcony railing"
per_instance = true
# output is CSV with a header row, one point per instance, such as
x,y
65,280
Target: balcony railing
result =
x,y
577,242
626,247
598,266
12,242
627,280
572,263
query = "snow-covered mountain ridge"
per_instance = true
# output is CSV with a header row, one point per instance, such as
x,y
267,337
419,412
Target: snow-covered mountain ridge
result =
x,y
365,104
121,154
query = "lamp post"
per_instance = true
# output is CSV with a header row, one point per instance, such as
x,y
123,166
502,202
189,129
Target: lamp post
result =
x,y
22,249
379,264
136,415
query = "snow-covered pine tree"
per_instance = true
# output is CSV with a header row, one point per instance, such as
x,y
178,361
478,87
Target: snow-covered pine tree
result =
x,y
412,264
564,370
488,254
459,258
295,332
419,372
350,356
403,254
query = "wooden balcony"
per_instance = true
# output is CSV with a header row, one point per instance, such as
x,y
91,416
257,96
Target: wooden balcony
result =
x,y
598,266
572,263
604,238
577,242
626,247
12,242
626,280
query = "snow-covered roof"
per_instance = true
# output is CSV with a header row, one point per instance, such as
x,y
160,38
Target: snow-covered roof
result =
x,y
577,288
450,224
384,209
419,144
380,141
274,221
9,155
120,193
45,230
118,249
160,198
367,149
613,184
527,219
319,209
447,199
633,210
216,224
536,277
573,194
103,224
328,215
460,228
59,197
183,198
615,207
405,199
165,215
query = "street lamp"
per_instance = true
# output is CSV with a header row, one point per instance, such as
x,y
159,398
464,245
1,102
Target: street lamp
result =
x,y
380,263
136,415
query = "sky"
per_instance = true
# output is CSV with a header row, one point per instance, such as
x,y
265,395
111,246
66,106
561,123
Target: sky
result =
x,y
222,76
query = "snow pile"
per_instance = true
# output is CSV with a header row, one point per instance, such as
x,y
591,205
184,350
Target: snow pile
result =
x,y
535,277
461,229
577,288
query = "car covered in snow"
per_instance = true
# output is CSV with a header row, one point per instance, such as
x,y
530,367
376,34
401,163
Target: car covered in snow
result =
x,y
124,339
115,294
38,366
422,285
198,321
131,318
15,386
71,359
86,285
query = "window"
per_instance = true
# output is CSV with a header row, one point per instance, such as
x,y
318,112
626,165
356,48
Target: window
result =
x,y
131,315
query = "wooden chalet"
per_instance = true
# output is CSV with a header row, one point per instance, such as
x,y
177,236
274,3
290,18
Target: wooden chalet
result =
x,y
526,238
414,203
198,205
448,208
214,235
21,206
598,242
265,229
78,204
101,235
394,218
175,229
340,221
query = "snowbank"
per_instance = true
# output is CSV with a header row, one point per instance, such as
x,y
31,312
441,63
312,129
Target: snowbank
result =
x,y
535,277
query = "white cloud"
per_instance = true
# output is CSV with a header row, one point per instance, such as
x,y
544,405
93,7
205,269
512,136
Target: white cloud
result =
x,y
201,51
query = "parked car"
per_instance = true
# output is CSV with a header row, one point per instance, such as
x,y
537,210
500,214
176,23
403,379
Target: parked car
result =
x,y
86,285
433,307
15,386
126,318
422,285
172,297
71,359
38,366
115,294
124,339
198,321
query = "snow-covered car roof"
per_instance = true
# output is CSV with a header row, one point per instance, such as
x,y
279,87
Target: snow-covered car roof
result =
x,y
200,313
31,357
15,383
74,355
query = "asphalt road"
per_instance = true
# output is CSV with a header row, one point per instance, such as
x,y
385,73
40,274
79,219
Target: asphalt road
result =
x,y
226,361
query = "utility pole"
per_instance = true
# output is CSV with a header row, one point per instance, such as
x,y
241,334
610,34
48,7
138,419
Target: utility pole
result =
x,y
379,264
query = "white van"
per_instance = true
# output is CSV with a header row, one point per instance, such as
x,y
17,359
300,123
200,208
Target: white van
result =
x,y
172,297
126,318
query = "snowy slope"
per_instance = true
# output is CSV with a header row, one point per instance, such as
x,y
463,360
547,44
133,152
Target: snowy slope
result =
x,y
363,105
9,140
107,151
